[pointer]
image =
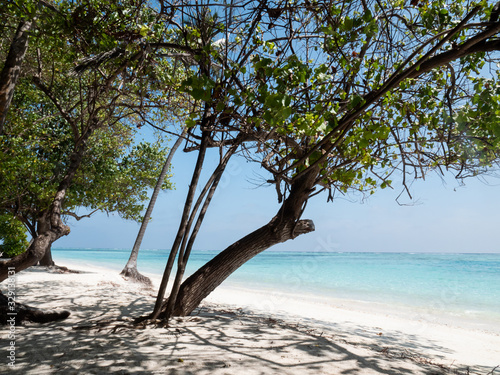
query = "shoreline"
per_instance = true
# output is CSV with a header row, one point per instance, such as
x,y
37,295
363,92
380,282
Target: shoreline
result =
x,y
454,287
100,293
270,300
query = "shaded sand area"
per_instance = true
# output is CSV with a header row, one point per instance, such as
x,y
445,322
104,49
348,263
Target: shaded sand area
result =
x,y
229,335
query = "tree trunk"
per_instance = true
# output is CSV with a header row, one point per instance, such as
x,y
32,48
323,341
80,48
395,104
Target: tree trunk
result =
x,y
51,219
130,269
204,281
38,247
43,225
187,245
283,227
47,258
12,68
182,226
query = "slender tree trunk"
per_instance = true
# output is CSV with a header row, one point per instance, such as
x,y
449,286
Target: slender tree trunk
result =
x,y
43,225
12,68
283,227
183,225
187,245
130,269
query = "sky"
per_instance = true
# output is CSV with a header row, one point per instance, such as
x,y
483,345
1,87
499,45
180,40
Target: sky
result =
x,y
443,216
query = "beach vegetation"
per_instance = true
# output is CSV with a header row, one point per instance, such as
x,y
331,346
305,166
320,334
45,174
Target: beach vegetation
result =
x,y
333,99
76,104
329,98
13,239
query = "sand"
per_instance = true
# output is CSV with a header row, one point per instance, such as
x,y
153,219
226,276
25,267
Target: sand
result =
x,y
235,331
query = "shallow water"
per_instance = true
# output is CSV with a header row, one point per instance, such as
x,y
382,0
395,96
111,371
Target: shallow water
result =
x,y
461,285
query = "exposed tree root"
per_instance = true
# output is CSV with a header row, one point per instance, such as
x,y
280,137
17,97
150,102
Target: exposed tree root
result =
x,y
133,275
16,314
58,269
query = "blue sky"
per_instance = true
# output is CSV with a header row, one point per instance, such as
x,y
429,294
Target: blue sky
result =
x,y
443,216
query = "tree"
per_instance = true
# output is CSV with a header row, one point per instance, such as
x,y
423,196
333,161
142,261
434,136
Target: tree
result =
x,y
196,38
130,269
70,133
341,97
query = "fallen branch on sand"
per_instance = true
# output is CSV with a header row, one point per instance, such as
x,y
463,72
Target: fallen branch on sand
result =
x,y
23,313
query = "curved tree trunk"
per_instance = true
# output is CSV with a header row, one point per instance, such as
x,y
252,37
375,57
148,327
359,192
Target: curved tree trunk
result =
x,y
12,68
204,281
130,269
56,229
182,226
35,251
283,227
18,313
51,219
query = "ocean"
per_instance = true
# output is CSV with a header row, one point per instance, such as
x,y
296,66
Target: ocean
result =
x,y
465,286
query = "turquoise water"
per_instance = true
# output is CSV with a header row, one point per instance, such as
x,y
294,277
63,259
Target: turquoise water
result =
x,y
460,284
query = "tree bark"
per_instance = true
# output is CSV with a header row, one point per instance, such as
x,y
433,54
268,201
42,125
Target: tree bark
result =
x,y
12,69
204,281
130,269
43,225
183,225
40,244
56,229
187,245
47,258
283,227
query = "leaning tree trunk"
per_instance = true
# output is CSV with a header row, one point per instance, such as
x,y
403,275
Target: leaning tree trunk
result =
x,y
38,247
15,313
130,269
51,219
283,227
56,229
12,68
204,281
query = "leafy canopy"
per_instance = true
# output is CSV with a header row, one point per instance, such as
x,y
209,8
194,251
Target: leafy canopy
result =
x,y
356,89
55,106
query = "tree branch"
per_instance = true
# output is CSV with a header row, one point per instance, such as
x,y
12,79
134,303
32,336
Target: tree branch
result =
x,y
78,218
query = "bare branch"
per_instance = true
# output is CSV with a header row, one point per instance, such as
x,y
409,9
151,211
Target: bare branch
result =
x,y
78,218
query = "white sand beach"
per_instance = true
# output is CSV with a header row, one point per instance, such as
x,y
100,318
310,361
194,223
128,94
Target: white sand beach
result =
x,y
234,332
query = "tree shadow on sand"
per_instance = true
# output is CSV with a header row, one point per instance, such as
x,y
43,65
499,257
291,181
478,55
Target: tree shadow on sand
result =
x,y
214,341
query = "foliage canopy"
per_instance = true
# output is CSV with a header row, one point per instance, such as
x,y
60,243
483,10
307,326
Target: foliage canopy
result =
x,y
57,109
357,89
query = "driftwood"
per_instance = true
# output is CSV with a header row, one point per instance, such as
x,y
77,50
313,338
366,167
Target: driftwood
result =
x,y
15,314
